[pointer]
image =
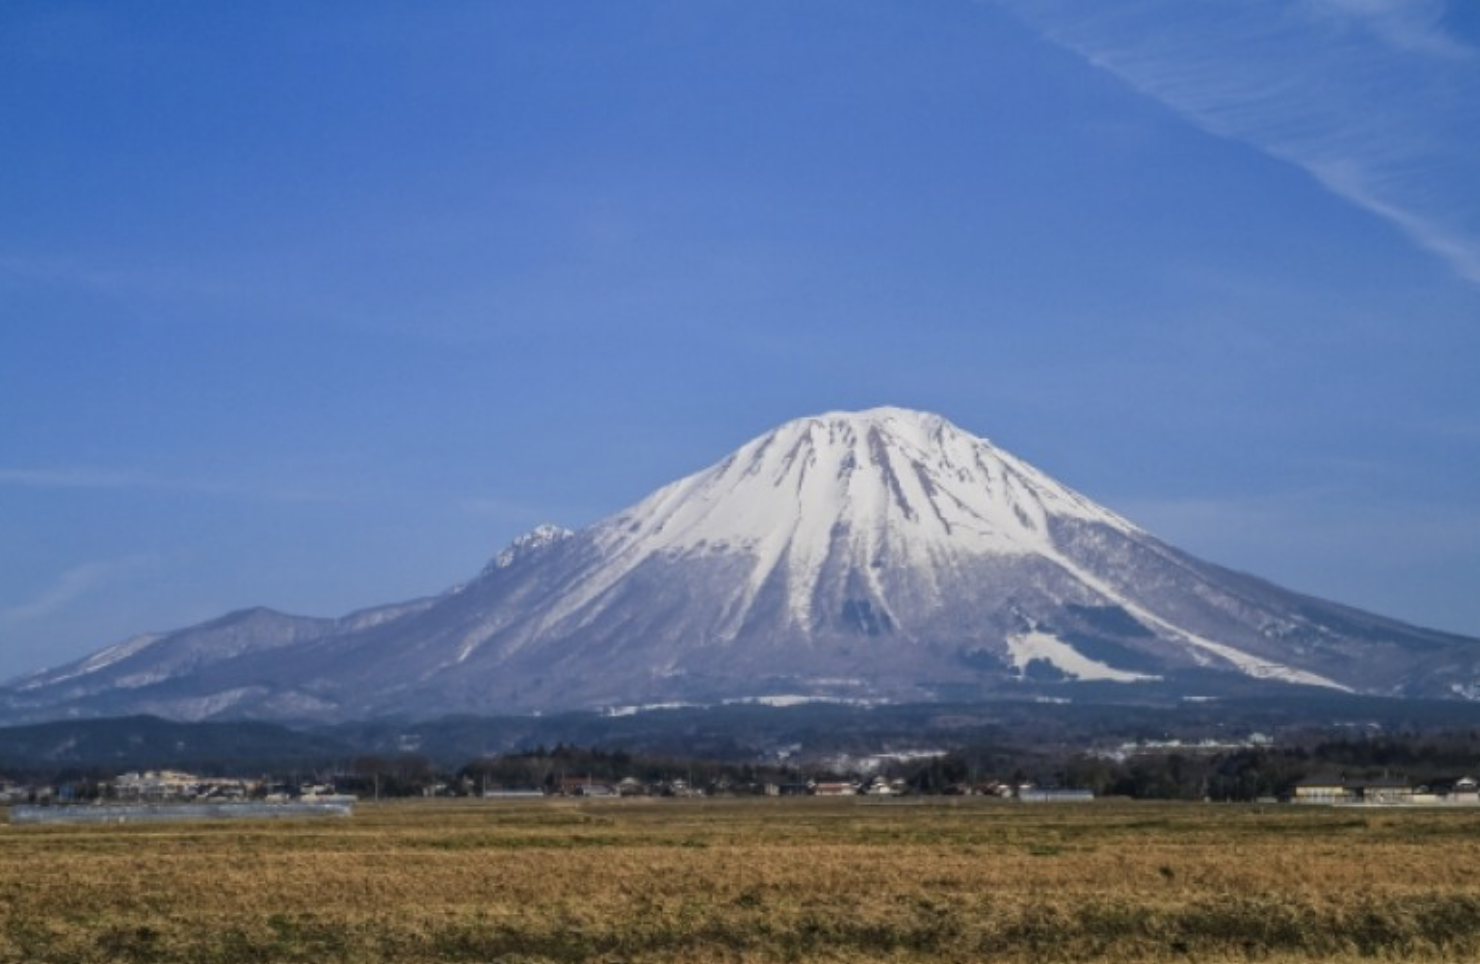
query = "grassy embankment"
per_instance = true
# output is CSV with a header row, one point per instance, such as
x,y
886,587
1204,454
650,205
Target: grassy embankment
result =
x,y
760,880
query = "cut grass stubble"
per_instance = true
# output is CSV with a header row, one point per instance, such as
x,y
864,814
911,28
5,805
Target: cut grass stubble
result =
x,y
760,880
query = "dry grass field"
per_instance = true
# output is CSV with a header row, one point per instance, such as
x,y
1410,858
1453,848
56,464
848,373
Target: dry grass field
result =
x,y
752,880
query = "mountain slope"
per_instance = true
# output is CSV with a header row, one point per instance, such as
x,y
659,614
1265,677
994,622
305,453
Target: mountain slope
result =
x,y
884,555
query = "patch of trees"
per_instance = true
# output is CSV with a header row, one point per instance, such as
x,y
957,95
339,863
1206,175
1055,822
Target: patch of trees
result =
x,y
547,769
376,775
1188,774
1229,776
1424,756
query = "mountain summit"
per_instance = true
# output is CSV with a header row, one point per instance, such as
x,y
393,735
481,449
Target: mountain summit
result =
x,y
883,555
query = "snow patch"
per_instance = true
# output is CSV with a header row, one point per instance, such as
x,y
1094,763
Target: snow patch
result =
x,y
1246,663
797,699
98,661
618,711
135,681
1038,645
536,539
194,709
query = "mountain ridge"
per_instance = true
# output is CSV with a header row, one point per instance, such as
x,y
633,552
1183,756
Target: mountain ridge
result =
x,y
877,556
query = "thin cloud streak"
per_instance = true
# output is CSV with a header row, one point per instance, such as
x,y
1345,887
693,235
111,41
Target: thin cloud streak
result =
x,y
94,478
70,586
76,478
1318,523
1416,25
144,284
1370,97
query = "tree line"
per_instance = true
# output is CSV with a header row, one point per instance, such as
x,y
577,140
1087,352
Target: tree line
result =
x,y
1243,774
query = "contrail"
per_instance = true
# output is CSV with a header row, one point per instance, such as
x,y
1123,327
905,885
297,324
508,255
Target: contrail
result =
x,y
1373,98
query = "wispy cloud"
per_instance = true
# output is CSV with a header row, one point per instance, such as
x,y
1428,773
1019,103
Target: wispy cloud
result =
x,y
490,507
1416,25
77,478
70,586
1310,527
72,477
1373,98
128,282
1455,427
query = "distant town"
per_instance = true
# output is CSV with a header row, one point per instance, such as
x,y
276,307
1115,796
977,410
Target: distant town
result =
x,y
390,778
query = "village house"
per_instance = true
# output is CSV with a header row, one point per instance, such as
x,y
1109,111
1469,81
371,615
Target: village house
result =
x,y
152,785
1324,790
11,792
1386,792
225,789
884,787
681,788
1463,791
583,787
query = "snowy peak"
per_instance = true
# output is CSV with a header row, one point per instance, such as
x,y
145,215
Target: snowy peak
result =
x,y
886,479
826,510
538,538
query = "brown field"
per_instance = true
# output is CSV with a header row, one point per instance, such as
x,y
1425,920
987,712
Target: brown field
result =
x,y
752,880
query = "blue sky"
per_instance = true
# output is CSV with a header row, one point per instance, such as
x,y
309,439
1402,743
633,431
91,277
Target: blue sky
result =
x,y
316,306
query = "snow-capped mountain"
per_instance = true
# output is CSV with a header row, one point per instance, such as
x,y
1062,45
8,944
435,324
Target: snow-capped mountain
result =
x,y
883,555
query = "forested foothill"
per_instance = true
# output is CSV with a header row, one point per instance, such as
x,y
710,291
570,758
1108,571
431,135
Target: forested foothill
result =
x,y
1234,750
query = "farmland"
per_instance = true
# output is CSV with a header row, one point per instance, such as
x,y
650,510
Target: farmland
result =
x,y
752,880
